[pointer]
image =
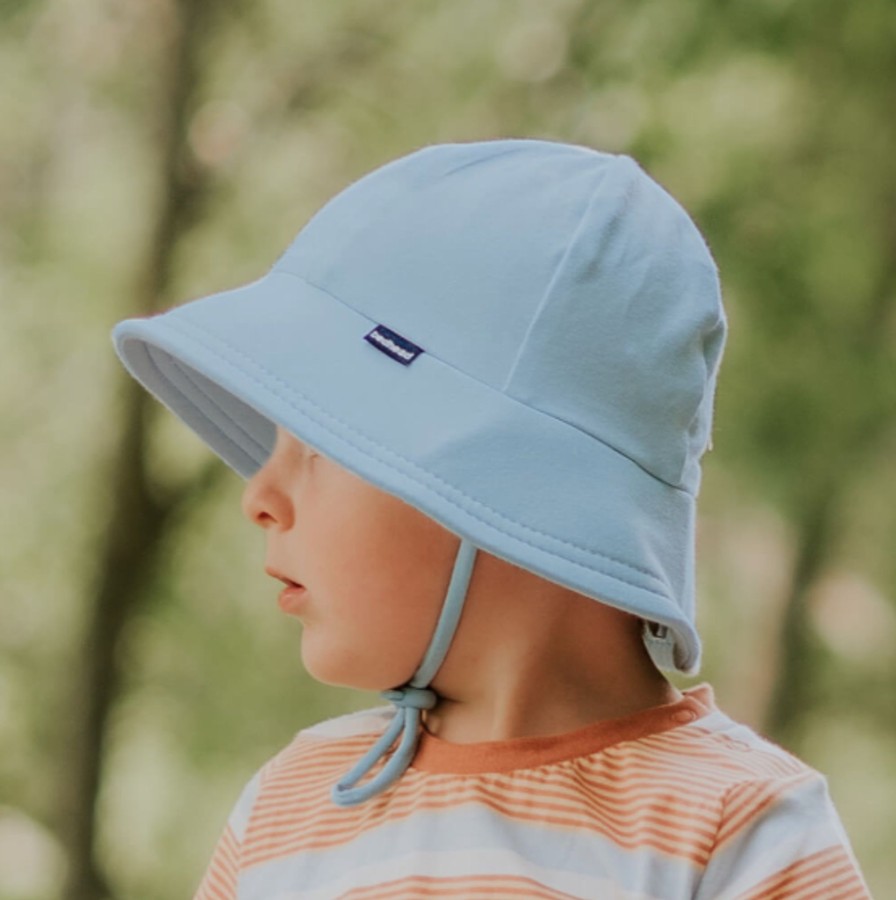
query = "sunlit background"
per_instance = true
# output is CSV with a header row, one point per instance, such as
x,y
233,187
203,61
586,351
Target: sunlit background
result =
x,y
153,152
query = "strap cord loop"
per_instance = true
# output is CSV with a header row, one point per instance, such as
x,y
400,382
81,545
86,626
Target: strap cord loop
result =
x,y
410,699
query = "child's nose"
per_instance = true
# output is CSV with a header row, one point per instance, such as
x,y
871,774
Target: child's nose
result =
x,y
263,504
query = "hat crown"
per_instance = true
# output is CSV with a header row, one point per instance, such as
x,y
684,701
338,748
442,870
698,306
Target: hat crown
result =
x,y
564,277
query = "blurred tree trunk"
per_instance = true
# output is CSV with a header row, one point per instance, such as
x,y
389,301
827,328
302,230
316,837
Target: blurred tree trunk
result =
x,y
139,515
800,653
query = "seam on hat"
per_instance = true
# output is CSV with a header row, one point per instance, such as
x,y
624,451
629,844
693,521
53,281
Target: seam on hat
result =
x,y
485,385
498,152
549,289
291,390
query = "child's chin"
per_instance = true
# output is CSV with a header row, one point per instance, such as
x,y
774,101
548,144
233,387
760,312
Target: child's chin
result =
x,y
346,671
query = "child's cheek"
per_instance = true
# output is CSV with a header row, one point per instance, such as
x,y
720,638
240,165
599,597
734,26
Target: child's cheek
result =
x,y
358,651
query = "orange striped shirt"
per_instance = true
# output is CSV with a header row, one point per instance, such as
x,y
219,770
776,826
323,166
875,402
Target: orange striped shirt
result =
x,y
674,802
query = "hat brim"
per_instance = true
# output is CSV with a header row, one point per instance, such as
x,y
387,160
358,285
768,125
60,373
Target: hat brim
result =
x,y
523,485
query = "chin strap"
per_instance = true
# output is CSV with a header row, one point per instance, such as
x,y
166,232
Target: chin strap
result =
x,y
412,698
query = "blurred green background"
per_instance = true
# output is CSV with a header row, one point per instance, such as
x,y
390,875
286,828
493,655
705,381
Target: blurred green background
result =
x,y
153,152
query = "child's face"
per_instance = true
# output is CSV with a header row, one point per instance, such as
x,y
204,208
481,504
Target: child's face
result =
x,y
374,568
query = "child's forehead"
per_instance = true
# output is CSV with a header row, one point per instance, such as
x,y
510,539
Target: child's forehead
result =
x,y
287,440
287,436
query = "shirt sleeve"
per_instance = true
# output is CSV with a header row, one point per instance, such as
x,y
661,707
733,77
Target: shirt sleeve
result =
x,y
221,877
781,838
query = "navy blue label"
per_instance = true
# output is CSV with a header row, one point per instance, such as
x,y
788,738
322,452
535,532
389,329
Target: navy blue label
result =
x,y
399,348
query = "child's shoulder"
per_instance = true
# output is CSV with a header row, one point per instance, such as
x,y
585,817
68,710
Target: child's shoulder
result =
x,y
719,750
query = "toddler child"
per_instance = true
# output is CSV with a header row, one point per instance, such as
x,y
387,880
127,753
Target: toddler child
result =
x,y
470,401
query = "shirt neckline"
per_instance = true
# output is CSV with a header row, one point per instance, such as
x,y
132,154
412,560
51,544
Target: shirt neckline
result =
x,y
440,756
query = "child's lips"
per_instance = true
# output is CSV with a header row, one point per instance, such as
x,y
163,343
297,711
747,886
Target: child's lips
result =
x,y
291,599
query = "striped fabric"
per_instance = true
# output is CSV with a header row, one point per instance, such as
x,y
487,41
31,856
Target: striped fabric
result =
x,y
675,802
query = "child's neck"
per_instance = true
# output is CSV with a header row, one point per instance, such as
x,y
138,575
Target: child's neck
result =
x,y
527,666
546,706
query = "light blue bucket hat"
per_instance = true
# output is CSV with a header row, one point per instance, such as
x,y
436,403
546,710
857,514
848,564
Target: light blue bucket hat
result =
x,y
518,337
